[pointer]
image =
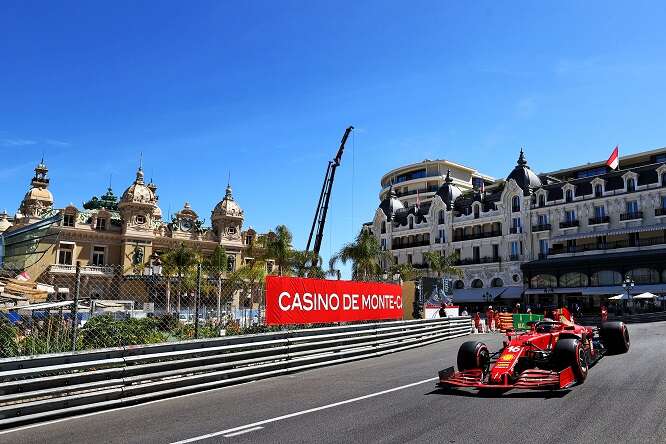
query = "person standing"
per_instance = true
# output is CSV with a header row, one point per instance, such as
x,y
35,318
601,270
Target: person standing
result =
x,y
604,313
477,323
490,318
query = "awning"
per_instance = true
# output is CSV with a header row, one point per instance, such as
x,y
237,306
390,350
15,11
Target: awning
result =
x,y
494,294
554,290
617,231
618,297
617,289
646,295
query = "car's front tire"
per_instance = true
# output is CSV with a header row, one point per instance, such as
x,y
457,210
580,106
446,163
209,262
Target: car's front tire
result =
x,y
473,355
615,336
569,352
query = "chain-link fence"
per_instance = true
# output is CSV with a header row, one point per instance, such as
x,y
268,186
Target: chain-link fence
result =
x,y
71,307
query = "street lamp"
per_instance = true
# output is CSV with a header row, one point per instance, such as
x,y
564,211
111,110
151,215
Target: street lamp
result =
x,y
628,284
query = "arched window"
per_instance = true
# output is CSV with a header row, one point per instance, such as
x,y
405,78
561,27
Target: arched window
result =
x,y
515,204
497,282
459,285
644,275
631,184
573,279
477,283
383,227
476,211
598,190
569,196
441,217
543,281
542,200
605,277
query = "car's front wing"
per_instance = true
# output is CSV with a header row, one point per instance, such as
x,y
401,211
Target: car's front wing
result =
x,y
532,379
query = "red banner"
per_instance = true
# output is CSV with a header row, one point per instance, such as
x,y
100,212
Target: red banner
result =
x,y
292,300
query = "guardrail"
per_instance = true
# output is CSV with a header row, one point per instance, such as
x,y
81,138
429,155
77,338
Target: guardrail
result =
x,y
637,318
43,387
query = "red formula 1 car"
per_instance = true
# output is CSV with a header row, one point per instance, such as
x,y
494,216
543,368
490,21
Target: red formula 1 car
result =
x,y
551,355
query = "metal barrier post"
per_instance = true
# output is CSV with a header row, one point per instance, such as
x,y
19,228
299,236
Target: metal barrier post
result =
x,y
197,297
75,308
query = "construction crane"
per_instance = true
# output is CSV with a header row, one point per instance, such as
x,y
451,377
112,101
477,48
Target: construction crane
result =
x,y
322,206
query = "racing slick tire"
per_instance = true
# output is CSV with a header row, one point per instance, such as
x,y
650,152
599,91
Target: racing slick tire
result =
x,y
569,352
615,336
473,355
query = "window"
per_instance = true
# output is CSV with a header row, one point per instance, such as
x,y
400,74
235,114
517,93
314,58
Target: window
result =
x,y
100,224
606,277
568,196
476,252
631,185
476,211
542,200
514,249
632,207
543,246
441,217
543,281
65,254
495,251
68,220
515,204
231,263
459,285
516,225
457,253
663,179
411,222
663,201
98,255
269,266
574,279
383,244
570,215
497,282
477,283
383,227
591,172
598,190
644,276
441,235
409,258
248,239
140,219
231,230
571,246
543,219
599,212
601,242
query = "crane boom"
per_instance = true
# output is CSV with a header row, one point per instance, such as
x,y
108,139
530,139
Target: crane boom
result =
x,y
319,220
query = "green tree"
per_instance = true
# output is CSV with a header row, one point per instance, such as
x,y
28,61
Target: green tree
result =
x,y
441,264
182,261
407,272
278,248
217,266
365,253
248,279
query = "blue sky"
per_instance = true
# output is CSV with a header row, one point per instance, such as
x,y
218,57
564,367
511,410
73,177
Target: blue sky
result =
x,y
265,89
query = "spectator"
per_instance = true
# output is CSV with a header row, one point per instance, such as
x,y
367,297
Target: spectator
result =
x,y
477,323
498,324
604,313
442,311
490,318
516,309
464,312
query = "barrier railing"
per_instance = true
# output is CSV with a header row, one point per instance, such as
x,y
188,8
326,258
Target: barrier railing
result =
x,y
47,386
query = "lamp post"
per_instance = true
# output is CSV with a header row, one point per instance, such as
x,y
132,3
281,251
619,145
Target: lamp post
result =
x,y
628,284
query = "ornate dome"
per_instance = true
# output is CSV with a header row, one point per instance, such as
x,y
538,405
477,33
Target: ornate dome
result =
x,y
187,211
391,204
41,194
139,192
448,192
228,206
524,176
4,221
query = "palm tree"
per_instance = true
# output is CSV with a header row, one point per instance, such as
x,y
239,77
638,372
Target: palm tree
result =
x,y
217,265
407,272
365,253
247,279
181,259
278,247
441,264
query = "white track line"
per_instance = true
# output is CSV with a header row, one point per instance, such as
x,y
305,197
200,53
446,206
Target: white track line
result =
x,y
242,432
303,412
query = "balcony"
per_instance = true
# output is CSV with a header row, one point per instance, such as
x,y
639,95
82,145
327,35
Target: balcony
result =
x,y
514,257
90,270
598,220
628,243
660,211
632,215
480,260
411,245
474,236
430,189
515,230
541,227
569,224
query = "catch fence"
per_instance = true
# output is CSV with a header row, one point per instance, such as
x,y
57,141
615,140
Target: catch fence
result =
x,y
70,308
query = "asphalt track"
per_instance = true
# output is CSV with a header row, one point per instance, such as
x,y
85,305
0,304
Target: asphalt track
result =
x,y
392,399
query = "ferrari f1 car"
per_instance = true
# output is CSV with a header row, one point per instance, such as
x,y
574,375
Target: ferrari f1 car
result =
x,y
550,355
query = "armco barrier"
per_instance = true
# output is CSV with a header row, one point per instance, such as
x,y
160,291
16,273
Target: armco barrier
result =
x,y
628,318
47,386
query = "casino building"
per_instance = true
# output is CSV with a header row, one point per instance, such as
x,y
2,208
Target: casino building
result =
x,y
117,240
562,237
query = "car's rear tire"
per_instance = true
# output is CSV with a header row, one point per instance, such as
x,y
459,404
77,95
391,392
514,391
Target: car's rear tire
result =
x,y
473,355
569,352
615,336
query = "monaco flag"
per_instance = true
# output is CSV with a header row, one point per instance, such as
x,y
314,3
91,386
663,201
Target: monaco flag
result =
x,y
614,159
